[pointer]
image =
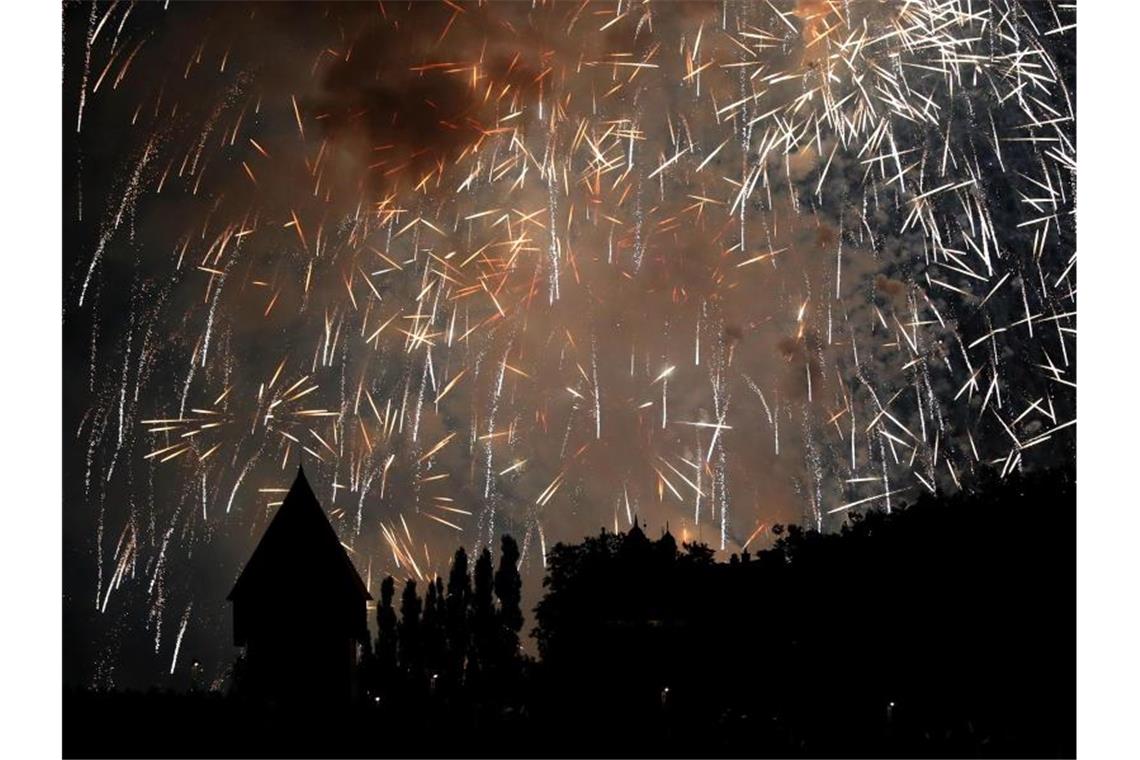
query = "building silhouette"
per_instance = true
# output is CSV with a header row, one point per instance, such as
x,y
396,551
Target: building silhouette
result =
x,y
300,607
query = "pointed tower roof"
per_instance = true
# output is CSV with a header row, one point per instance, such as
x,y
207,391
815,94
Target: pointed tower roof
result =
x,y
299,551
635,536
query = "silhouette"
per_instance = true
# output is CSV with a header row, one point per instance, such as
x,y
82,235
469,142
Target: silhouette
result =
x,y
411,646
508,590
453,644
299,607
432,631
944,628
482,618
387,662
456,625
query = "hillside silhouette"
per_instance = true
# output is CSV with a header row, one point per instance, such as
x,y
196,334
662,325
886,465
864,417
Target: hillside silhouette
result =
x,y
944,628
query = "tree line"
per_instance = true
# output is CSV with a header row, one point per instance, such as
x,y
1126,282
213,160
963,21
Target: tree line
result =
x,y
464,635
945,626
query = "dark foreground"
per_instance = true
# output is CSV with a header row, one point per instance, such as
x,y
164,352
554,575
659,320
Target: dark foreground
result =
x,y
943,630
180,725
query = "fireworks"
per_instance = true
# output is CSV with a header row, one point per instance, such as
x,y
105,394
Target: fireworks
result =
x,y
538,267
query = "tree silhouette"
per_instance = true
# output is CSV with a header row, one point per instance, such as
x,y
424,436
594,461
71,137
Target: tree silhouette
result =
x,y
458,599
483,614
386,640
508,590
411,646
944,627
433,636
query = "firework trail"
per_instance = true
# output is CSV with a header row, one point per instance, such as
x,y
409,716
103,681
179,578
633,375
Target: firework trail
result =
x,y
506,267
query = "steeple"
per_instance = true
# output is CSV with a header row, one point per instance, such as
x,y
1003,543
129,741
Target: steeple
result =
x,y
300,547
635,537
301,483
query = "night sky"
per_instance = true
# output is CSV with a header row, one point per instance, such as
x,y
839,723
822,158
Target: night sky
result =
x,y
536,268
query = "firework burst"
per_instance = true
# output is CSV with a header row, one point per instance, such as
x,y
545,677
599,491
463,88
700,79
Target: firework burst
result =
x,y
538,267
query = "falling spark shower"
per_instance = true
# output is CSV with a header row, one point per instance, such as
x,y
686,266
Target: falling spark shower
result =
x,y
538,268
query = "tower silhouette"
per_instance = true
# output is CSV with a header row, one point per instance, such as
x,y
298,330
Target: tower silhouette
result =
x,y
300,607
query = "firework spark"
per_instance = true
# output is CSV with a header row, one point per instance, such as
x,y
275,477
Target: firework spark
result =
x,y
502,267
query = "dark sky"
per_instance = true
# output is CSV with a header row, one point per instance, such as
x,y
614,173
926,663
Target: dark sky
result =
x,y
534,268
